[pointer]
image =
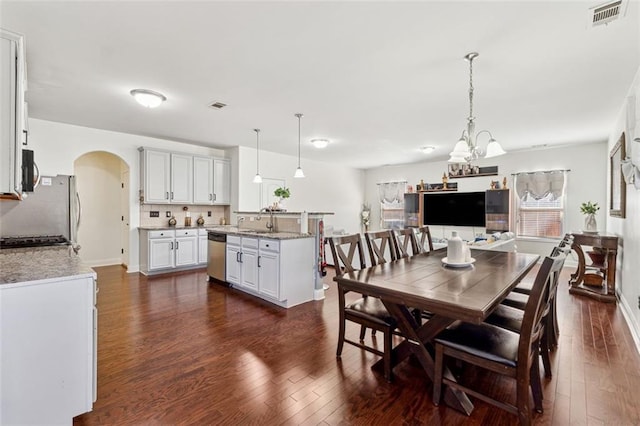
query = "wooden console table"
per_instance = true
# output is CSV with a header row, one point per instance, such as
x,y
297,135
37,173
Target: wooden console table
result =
x,y
606,290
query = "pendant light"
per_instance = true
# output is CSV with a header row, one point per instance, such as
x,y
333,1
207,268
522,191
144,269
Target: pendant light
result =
x,y
257,178
299,173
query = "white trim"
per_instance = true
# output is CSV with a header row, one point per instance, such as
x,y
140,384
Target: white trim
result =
x,y
633,325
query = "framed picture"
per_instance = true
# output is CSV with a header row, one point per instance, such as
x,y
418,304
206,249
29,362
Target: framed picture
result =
x,y
462,170
618,200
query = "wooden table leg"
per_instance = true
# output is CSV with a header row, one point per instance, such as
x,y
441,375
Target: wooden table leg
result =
x,y
418,343
578,276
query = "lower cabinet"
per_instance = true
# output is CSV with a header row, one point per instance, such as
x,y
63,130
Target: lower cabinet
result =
x,y
279,271
167,250
203,246
48,342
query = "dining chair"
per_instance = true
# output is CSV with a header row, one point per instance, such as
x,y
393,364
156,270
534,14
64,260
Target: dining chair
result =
x,y
502,351
425,239
382,246
367,311
405,240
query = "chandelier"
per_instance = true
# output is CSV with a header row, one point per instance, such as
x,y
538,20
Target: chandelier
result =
x,y
467,148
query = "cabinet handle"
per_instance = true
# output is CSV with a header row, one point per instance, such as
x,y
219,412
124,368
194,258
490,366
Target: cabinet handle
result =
x,y
238,257
177,246
259,261
172,195
210,197
166,197
241,257
214,197
26,137
171,248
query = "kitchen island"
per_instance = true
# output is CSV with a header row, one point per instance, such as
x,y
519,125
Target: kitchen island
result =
x,y
48,336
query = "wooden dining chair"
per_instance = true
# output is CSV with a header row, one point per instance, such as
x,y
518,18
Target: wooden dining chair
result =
x,y
367,311
382,246
502,351
425,239
406,242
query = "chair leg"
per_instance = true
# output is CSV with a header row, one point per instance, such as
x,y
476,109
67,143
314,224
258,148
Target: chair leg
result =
x,y
522,397
536,385
388,339
437,376
544,353
363,331
553,324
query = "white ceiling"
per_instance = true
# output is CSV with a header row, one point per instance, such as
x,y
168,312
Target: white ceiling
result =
x,y
379,79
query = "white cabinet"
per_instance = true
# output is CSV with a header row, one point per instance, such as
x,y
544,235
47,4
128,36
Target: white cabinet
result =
x,y
203,246
12,110
181,179
269,268
233,266
156,175
48,332
165,250
176,178
242,262
202,180
221,181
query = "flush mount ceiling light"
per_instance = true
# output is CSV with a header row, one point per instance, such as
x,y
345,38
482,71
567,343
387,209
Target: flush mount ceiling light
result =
x,y
148,98
257,178
467,148
427,149
299,173
320,143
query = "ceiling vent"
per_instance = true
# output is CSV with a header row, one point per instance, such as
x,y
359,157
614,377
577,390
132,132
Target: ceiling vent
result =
x,y
217,105
606,12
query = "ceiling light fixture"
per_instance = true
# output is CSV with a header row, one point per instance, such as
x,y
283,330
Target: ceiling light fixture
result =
x,y
320,143
467,148
257,178
299,173
427,149
148,98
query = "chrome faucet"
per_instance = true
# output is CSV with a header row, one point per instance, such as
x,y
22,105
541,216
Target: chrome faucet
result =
x,y
270,225
240,220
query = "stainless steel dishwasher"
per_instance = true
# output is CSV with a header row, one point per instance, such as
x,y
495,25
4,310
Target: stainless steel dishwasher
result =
x,y
217,247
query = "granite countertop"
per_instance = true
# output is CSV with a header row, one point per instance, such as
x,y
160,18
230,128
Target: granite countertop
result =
x,y
42,263
284,213
246,232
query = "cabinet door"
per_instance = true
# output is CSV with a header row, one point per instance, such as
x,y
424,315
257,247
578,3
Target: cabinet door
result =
x,y
269,274
181,178
203,247
221,181
157,174
186,251
161,253
249,268
233,265
202,180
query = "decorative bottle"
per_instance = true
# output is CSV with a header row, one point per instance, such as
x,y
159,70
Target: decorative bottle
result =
x,y
455,253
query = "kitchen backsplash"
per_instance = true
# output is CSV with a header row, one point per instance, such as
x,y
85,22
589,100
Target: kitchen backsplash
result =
x,y
217,213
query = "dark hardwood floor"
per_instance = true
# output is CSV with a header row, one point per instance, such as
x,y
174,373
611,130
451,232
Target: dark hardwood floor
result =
x,y
175,349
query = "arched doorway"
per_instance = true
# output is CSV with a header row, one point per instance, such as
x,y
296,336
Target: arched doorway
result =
x,y
103,186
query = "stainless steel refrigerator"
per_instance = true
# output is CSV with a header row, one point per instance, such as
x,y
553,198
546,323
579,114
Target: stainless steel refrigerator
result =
x,y
53,209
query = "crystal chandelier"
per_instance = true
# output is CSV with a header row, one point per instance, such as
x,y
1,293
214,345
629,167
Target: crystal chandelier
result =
x,y
467,148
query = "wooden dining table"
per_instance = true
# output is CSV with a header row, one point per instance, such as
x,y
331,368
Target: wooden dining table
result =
x,y
469,294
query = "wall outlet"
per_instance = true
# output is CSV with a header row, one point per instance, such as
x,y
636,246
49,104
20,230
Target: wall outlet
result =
x,y
154,213
209,213
167,213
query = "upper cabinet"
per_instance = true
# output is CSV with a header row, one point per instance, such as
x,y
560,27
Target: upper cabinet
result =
x,y
12,113
178,178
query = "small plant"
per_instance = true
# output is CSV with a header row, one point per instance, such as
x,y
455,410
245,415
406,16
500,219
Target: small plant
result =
x,y
282,192
589,208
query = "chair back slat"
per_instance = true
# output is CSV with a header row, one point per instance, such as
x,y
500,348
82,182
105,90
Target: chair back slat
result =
x,y
343,262
382,246
425,238
404,238
538,305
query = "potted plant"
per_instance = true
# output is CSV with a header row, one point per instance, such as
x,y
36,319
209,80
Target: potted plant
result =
x,y
282,193
590,209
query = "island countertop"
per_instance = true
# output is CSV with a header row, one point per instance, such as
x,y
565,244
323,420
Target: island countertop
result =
x,y
234,230
23,265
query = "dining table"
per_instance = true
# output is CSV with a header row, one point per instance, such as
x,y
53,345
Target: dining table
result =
x,y
465,292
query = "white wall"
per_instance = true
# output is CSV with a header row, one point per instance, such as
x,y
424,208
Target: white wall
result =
x,y
586,181
57,145
98,184
325,188
627,283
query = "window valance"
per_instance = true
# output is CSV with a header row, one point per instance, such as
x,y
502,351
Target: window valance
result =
x,y
539,185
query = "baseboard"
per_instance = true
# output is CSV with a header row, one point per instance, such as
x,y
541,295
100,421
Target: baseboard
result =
x,y
318,294
632,323
103,262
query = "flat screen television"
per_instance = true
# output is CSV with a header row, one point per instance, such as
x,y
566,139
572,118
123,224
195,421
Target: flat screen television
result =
x,y
454,208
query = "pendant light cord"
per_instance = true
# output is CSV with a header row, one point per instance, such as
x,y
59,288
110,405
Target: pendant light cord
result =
x,y
257,150
299,117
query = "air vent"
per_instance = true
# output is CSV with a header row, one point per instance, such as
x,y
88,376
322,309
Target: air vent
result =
x,y
606,13
217,105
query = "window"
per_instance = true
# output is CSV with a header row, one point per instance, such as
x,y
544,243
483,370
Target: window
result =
x,y
391,196
540,203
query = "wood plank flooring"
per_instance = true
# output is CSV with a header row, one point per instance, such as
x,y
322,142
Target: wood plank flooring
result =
x,y
175,349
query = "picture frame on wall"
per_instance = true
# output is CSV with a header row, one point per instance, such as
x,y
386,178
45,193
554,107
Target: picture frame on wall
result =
x,y
618,190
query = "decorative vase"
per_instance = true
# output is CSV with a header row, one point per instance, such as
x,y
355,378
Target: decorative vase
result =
x,y
590,224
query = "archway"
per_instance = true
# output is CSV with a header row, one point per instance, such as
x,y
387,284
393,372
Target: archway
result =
x,y
103,187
